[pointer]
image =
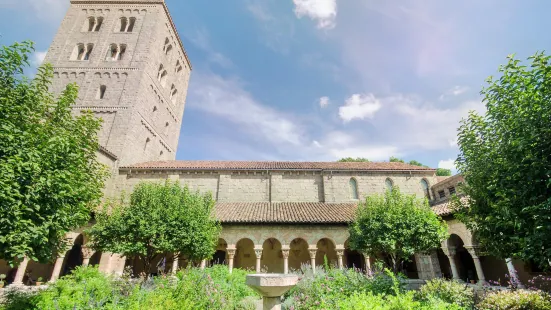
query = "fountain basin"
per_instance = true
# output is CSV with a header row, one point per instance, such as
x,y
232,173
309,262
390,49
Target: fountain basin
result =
x,y
271,284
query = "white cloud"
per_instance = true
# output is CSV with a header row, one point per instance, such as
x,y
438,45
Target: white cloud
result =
x,y
226,98
455,91
324,11
448,164
359,106
324,102
38,58
259,11
48,10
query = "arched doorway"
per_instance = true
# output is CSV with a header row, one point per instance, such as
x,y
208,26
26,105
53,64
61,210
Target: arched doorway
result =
x,y
73,259
298,254
353,258
95,259
219,257
245,257
444,262
326,248
272,257
463,260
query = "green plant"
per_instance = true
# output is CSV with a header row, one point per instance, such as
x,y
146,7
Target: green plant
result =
x,y
158,219
2,278
40,279
516,300
504,157
403,301
396,225
50,177
447,291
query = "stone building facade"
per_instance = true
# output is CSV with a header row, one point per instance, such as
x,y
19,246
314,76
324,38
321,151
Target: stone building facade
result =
x,y
133,72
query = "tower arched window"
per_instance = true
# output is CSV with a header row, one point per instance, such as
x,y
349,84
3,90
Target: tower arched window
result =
x,y
389,184
167,42
89,49
426,188
353,186
91,23
146,144
168,49
99,22
131,24
178,66
79,53
163,78
122,51
101,92
173,92
123,23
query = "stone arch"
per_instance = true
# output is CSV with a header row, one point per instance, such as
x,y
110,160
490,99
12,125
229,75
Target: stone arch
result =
x,y
95,259
73,257
245,257
298,254
463,259
353,189
220,256
425,185
326,248
389,184
353,258
107,75
272,257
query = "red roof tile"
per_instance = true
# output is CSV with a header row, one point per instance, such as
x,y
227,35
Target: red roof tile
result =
x,y
274,165
285,212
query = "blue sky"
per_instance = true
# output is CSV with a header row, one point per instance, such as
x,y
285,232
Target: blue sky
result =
x,y
324,79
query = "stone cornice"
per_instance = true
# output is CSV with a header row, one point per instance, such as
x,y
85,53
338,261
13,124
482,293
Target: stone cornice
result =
x,y
146,2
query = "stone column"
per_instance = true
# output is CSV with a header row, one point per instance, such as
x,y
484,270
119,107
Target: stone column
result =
x,y
258,253
231,255
312,252
367,264
57,268
86,255
340,254
513,273
203,264
20,274
285,251
450,253
475,254
175,260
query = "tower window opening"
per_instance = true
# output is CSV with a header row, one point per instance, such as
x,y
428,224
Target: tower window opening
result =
x,y
123,24
131,24
101,92
99,22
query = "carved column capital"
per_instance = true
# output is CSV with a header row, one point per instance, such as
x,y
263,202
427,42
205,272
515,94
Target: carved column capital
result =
x,y
449,251
312,253
258,253
285,253
231,253
87,252
340,252
474,250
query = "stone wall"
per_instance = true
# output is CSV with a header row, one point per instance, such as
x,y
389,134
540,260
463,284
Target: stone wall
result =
x,y
278,186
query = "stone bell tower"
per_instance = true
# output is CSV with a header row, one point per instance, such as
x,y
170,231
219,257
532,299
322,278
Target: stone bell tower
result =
x,y
132,70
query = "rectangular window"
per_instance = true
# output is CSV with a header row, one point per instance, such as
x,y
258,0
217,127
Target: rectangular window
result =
x,y
452,190
442,194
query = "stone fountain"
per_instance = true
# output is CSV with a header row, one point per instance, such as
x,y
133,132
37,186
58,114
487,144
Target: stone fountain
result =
x,y
272,286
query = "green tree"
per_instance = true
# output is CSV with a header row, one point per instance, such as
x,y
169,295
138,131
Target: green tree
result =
x,y
157,219
505,157
393,159
353,160
442,172
396,226
50,178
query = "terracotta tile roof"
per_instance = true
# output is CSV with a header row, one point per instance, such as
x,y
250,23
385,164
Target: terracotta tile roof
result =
x,y
274,165
285,212
445,208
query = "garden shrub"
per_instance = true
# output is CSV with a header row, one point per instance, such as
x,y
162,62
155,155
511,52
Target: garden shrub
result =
x,y
447,291
516,300
325,288
401,301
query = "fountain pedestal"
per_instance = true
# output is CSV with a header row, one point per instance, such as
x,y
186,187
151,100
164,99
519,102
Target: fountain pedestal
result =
x,y
271,286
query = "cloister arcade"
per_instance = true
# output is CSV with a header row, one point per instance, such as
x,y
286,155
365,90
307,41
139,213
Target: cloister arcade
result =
x,y
283,249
